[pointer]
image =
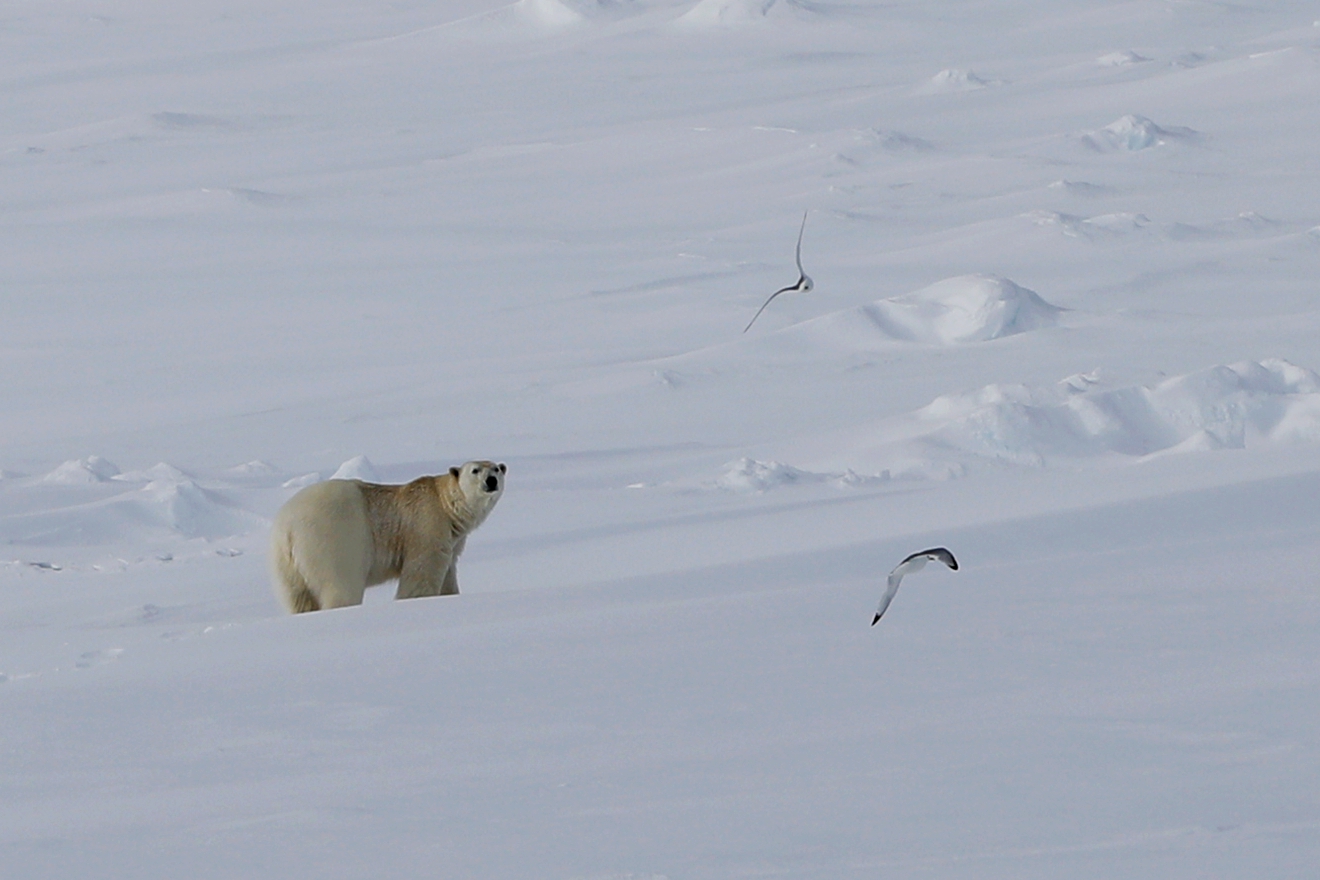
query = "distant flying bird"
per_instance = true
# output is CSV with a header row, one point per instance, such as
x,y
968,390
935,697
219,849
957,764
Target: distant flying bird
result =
x,y
915,562
804,284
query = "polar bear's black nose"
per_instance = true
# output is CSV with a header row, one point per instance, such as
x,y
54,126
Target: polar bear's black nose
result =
x,y
492,483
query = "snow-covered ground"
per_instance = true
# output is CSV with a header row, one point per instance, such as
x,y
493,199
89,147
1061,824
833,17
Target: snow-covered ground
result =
x,y
1065,322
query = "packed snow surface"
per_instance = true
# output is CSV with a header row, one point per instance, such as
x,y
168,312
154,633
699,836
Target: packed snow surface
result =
x,y
1065,323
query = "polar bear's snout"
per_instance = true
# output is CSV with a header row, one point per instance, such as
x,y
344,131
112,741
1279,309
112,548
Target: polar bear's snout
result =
x,y
494,480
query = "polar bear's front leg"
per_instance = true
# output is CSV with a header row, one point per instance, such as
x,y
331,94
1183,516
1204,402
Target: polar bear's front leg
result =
x,y
450,586
425,574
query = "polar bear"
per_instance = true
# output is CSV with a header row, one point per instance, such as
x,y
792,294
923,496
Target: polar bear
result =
x,y
334,539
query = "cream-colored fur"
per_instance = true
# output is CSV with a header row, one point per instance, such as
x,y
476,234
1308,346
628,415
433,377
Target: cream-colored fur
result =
x,y
334,539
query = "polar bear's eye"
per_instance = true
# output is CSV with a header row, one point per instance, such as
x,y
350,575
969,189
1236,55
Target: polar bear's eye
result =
x,y
475,471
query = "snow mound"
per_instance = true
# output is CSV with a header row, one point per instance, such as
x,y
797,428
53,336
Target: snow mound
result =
x,y
157,472
182,506
747,475
92,469
750,475
1244,225
1223,407
1125,58
1082,418
300,482
523,19
954,80
719,12
1102,226
171,504
1132,134
254,468
359,467
968,308
1080,188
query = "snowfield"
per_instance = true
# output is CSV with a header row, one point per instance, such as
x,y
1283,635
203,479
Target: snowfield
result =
x,y
1065,323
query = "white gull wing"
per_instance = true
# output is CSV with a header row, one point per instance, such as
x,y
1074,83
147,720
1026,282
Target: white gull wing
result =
x,y
804,283
895,579
915,562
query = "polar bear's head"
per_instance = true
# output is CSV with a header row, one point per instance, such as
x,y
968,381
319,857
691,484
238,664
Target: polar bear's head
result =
x,y
481,483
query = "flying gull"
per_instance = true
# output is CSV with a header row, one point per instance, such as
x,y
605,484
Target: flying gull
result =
x,y
804,284
915,562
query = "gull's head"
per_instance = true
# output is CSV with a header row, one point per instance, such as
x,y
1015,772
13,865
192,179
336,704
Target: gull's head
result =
x,y
806,284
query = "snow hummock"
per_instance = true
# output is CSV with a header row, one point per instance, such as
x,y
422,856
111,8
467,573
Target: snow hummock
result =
x,y
182,506
751,475
168,502
92,469
359,467
1080,188
159,472
1132,134
1124,58
955,311
715,12
1101,226
254,468
954,79
1237,406
1217,408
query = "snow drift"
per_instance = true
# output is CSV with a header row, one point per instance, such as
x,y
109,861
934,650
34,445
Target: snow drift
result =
x,y
750,475
166,502
725,12
1224,407
966,309
1238,406
359,467
92,469
1133,133
954,80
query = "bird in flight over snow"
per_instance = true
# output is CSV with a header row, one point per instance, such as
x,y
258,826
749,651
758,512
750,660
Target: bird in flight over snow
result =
x,y
915,562
804,283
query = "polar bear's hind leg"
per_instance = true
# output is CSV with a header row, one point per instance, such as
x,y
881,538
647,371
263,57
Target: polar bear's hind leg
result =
x,y
293,590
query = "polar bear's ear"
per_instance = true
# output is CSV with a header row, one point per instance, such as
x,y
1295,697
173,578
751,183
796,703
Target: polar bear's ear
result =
x,y
502,467
453,471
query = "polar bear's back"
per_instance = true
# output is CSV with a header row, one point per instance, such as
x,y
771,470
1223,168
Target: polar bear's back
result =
x,y
321,545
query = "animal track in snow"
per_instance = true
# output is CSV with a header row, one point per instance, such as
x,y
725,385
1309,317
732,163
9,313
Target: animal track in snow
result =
x,y
92,659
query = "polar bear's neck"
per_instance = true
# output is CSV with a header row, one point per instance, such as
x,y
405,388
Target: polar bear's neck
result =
x,y
470,511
